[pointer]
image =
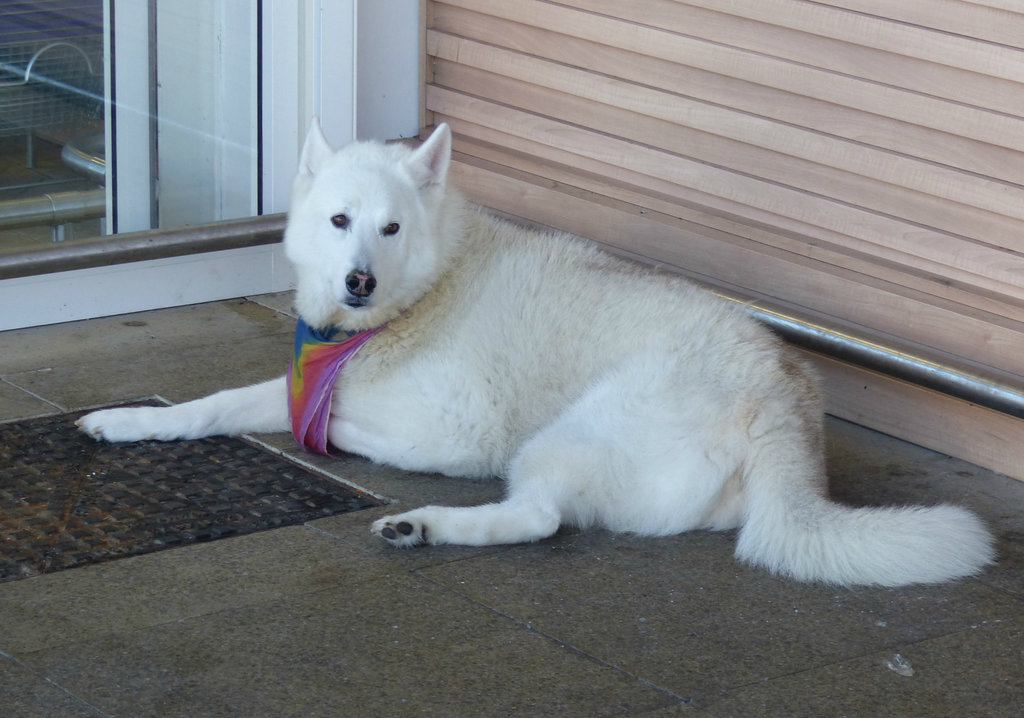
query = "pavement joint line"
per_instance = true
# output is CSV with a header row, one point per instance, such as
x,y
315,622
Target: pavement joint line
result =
x,y
78,699
5,379
554,639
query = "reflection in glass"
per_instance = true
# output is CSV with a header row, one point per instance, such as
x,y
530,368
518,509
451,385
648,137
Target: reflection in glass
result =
x,y
125,115
51,122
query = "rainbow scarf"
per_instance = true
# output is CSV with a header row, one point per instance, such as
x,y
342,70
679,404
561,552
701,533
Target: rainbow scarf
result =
x,y
316,364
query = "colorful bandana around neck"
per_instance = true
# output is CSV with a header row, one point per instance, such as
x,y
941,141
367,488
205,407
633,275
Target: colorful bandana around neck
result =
x,y
317,362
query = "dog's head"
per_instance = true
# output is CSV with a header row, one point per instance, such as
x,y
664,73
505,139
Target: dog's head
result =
x,y
366,231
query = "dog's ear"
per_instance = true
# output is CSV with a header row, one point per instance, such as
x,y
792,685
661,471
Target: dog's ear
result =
x,y
315,151
428,165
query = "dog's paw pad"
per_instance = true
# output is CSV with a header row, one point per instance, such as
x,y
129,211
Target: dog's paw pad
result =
x,y
403,527
401,533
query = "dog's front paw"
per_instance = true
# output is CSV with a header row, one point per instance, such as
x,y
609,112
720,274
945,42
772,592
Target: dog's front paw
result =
x,y
403,531
124,424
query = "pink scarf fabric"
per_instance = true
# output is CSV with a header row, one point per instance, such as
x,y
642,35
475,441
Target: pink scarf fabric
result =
x,y
319,356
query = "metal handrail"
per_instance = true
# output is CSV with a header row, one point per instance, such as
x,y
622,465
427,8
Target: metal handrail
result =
x,y
139,246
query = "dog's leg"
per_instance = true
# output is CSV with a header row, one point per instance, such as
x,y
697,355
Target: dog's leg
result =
x,y
511,521
627,455
555,476
557,464
261,407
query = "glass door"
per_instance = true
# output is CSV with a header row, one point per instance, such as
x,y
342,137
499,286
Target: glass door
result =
x,y
184,89
126,116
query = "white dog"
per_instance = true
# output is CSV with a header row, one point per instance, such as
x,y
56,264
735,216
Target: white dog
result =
x,y
603,393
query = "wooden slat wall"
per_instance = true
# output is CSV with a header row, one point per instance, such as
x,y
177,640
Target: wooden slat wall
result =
x,y
857,159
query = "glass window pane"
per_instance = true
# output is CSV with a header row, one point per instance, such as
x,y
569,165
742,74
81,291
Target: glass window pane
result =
x,y
206,110
51,122
125,115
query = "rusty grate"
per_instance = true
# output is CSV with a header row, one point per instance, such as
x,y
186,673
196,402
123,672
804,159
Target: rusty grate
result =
x,y
67,501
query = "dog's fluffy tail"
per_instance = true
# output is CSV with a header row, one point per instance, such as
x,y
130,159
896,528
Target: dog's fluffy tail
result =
x,y
792,529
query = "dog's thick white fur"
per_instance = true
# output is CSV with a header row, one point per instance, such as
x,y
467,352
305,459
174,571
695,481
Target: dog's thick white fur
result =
x,y
603,393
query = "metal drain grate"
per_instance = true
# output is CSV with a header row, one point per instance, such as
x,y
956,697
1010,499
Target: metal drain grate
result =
x,y
67,501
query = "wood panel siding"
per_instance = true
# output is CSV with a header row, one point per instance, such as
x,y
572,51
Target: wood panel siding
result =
x,y
860,160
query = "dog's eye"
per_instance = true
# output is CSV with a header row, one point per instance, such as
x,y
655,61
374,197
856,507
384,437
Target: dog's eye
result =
x,y
340,221
390,229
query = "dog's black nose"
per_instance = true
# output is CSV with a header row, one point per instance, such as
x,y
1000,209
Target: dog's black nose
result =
x,y
360,284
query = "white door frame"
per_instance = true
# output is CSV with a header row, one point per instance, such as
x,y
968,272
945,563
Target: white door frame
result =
x,y
319,57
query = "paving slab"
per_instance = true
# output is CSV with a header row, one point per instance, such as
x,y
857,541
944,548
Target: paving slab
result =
x,y
16,403
27,695
178,354
868,468
129,594
682,613
185,374
973,672
398,646
135,340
